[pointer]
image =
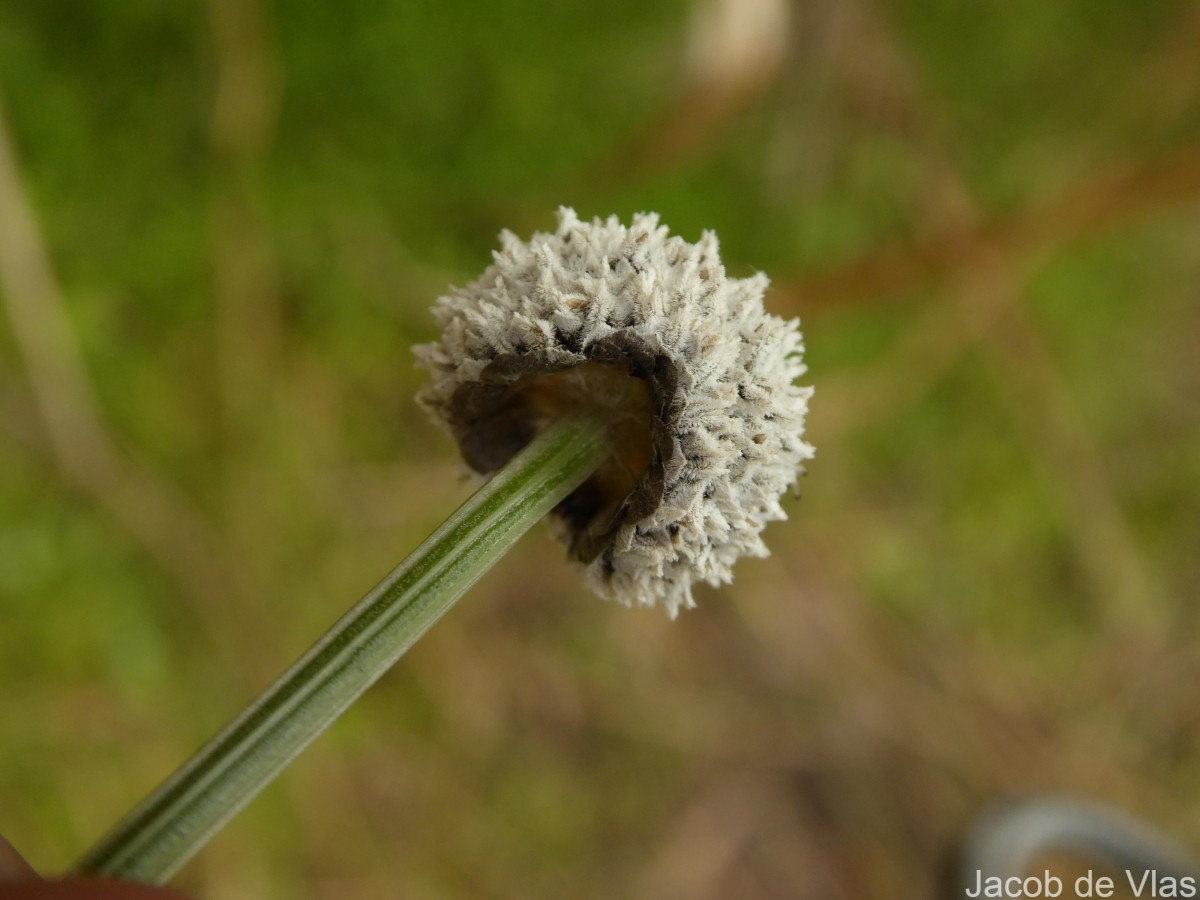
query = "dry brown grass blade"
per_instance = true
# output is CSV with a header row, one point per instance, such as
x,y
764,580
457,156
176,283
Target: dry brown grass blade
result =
x,y
77,437
1041,406
249,323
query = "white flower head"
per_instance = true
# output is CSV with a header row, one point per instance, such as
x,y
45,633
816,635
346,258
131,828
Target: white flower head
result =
x,y
699,379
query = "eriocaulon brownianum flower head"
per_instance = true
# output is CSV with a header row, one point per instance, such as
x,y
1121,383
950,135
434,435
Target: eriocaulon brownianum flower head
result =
x,y
612,375
697,379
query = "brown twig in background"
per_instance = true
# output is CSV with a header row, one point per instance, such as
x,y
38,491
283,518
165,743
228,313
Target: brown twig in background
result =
x,y
1101,201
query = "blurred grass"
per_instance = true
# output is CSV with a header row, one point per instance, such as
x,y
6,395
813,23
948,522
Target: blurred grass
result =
x,y
987,589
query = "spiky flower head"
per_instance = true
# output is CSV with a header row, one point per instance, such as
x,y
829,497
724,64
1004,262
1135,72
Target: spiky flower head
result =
x,y
698,380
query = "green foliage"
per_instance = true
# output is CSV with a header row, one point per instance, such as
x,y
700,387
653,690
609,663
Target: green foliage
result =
x,y
987,588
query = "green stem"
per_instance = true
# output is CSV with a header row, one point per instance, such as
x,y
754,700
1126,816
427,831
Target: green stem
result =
x,y
178,818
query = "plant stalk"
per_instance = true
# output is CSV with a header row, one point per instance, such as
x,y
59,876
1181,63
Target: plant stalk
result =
x,y
180,816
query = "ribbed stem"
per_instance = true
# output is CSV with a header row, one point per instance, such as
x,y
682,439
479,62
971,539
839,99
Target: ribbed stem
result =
x,y
178,818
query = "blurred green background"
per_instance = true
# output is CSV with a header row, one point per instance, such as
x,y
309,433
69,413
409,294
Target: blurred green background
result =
x,y
221,227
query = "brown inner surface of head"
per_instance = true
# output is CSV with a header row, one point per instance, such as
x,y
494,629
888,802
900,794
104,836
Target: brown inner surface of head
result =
x,y
498,415
622,400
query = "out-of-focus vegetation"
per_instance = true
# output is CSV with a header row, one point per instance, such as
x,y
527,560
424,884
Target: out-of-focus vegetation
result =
x,y
988,216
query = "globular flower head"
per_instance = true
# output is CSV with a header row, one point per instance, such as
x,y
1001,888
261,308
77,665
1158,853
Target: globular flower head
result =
x,y
698,380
